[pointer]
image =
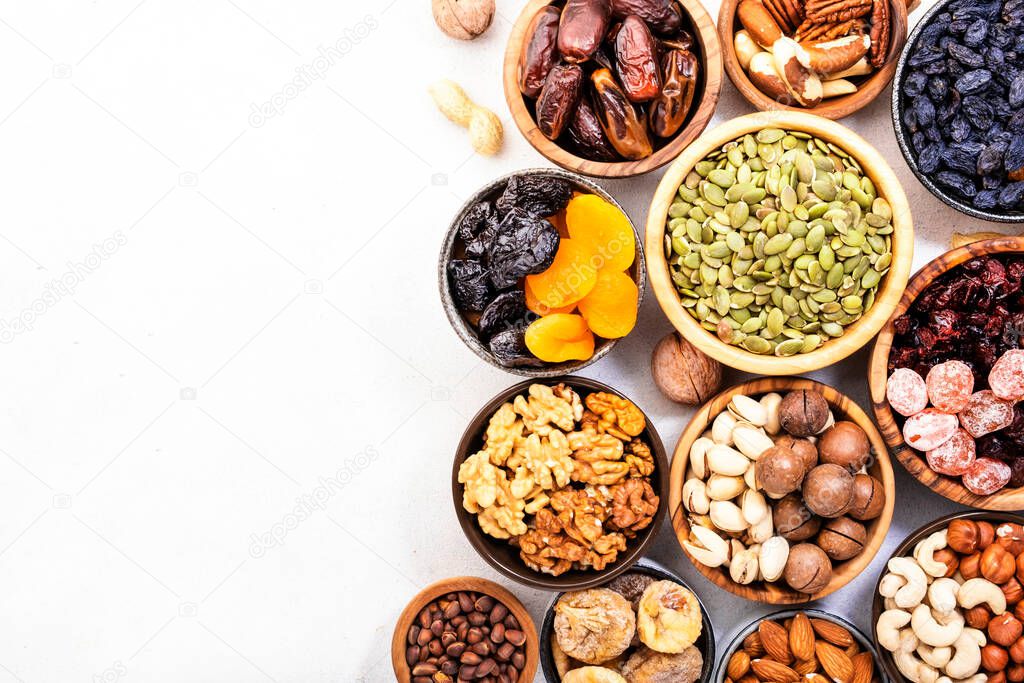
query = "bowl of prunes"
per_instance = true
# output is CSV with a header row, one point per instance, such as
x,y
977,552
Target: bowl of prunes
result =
x,y
541,272
958,106
612,88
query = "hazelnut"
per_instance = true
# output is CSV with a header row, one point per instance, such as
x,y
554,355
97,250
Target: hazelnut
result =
x,y
962,536
1013,591
808,568
1020,567
997,565
828,490
463,19
803,412
1018,610
1005,629
842,538
793,521
998,677
970,566
868,497
986,534
684,373
779,471
1011,537
845,444
948,558
802,447
1015,674
1017,651
978,617
993,658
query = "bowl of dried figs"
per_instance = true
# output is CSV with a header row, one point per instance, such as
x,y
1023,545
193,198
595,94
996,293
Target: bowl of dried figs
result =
x,y
560,484
781,490
612,88
642,626
947,375
958,107
541,273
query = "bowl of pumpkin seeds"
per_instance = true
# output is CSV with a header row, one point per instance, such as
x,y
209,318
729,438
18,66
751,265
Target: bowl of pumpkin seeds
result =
x,y
779,243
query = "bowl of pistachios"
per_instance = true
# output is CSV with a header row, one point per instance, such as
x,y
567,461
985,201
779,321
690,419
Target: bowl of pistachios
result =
x,y
779,243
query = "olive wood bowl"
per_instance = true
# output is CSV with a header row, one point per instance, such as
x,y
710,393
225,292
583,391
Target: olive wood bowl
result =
x,y
503,556
843,408
467,333
705,643
878,374
906,548
889,291
737,641
455,585
868,88
709,83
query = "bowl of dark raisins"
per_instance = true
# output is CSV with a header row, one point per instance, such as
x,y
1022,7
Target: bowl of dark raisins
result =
x,y
612,88
958,106
541,273
964,308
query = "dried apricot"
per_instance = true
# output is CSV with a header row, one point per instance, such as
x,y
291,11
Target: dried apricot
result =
x,y
560,337
610,307
539,307
569,278
602,225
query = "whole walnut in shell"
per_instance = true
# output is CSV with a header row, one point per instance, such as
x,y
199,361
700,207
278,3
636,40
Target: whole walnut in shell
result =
x,y
683,373
463,19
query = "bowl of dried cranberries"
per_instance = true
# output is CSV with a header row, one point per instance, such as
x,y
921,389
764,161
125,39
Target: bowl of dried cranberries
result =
x,y
541,272
947,375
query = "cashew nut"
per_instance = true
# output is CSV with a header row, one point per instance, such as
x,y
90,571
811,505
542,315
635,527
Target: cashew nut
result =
x,y
936,630
913,593
924,551
888,628
976,678
967,658
973,592
890,584
942,595
913,669
935,656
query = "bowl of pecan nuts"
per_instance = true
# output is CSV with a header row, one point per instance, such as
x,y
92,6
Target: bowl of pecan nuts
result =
x,y
612,88
560,484
828,57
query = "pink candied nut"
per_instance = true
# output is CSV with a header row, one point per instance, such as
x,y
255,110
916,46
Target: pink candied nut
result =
x,y
929,429
986,476
1007,376
986,413
906,392
950,385
954,457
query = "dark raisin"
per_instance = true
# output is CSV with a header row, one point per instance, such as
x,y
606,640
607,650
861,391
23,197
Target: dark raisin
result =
x,y
973,81
929,159
957,182
995,58
523,245
1016,96
1014,160
986,200
475,220
978,112
976,33
507,310
539,195
509,349
470,288
959,158
924,111
966,56
1012,196
938,88
1015,123
959,129
990,160
925,55
914,84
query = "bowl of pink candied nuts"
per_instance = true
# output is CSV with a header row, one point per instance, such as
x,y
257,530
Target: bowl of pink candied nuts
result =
x,y
947,375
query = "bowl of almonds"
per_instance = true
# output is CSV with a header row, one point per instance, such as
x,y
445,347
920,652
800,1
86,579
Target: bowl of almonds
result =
x,y
809,645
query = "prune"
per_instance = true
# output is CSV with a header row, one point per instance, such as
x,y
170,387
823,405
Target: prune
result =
x,y
973,81
636,60
669,110
539,195
586,133
582,28
506,310
524,244
558,99
509,349
662,15
469,285
976,33
619,118
957,182
539,51
478,247
966,56
914,84
1012,196
475,220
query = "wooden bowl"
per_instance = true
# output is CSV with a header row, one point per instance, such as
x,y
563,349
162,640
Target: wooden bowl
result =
x,y
705,643
880,467
878,374
709,84
889,291
833,108
883,656
468,334
455,585
503,556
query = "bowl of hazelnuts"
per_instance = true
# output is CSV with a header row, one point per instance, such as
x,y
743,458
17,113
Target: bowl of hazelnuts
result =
x,y
781,490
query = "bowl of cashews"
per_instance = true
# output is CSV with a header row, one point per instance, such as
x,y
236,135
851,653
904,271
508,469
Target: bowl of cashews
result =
x,y
950,605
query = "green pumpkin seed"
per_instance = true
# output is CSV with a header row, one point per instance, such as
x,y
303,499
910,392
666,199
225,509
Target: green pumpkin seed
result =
x,y
790,347
756,345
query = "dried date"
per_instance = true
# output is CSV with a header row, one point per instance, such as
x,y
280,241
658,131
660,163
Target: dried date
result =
x,y
636,60
626,132
669,111
539,54
558,99
587,135
661,15
583,26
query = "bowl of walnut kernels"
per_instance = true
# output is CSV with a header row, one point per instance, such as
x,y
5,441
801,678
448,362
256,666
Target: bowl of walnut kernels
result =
x,y
560,484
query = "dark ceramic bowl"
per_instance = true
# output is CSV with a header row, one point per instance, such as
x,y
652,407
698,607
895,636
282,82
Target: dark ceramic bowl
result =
x,y
883,656
737,640
503,556
449,250
903,135
706,642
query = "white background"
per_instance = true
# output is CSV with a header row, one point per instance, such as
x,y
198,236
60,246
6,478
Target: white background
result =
x,y
249,310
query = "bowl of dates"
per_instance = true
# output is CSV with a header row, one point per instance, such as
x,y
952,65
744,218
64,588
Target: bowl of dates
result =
x,y
947,375
560,484
779,243
612,88
958,106
541,272
828,57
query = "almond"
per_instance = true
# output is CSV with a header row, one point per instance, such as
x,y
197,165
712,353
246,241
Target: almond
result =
x,y
806,667
753,646
853,650
770,670
832,632
817,678
801,637
776,643
739,665
863,667
835,662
